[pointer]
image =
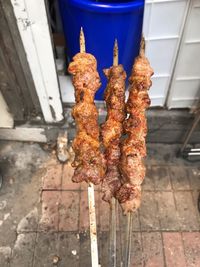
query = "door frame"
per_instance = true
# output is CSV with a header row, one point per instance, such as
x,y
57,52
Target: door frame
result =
x,y
32,22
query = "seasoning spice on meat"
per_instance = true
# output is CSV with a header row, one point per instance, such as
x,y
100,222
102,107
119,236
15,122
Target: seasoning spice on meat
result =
x,y
133,148
89,162
112,129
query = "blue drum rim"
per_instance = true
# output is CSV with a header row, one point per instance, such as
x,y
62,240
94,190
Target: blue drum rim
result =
x,y
103,7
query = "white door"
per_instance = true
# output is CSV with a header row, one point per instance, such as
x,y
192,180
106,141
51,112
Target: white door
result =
x,y
33,26
185,87
163,26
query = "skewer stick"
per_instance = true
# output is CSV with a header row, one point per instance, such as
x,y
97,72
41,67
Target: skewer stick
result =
x,y
113,217
93,228
142,46
91,198
115,54
129,226
82,41
113,236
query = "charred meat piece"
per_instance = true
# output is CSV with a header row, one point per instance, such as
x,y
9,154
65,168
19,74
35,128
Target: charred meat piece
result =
x,y
133,148
112,129
89,162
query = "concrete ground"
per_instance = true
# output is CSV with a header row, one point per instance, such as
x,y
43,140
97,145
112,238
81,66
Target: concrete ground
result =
x,y
44,216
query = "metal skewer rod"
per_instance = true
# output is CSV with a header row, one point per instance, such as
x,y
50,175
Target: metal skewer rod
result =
x,y
113,221
115,54
91,198
127,253
82,41
142,46
113,236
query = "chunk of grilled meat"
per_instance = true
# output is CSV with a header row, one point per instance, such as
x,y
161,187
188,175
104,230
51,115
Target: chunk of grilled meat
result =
x,y
112,129
89,163
133,148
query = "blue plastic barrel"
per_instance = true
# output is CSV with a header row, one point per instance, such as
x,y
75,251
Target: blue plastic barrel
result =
x,y
102,22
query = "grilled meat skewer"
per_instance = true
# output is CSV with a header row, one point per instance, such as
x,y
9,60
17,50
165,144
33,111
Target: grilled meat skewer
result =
x,y
89,162
112,129
133,148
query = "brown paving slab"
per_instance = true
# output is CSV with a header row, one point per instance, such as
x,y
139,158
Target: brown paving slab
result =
x,y
69,250
161,178
98,200
67,183
104,215
174,251
52,177
104,248
194,177
69,211
120,246
5,255
29,223
148,183
84,212
46,250
195,195
136,251
187,215
179,178
22,254
167,211
192,248
148,212
97,187
8,217
84,186
136,223
152,249
85,256
50,205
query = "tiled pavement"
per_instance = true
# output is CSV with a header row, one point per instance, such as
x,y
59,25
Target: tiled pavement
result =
x,y
165,229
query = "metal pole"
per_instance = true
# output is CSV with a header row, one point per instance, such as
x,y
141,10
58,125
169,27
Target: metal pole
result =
x,y
194,125
113,237
129,226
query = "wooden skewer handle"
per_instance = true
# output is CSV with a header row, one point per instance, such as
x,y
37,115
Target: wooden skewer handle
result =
x,y
127,253
82,41
93,228
113,232
115,54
